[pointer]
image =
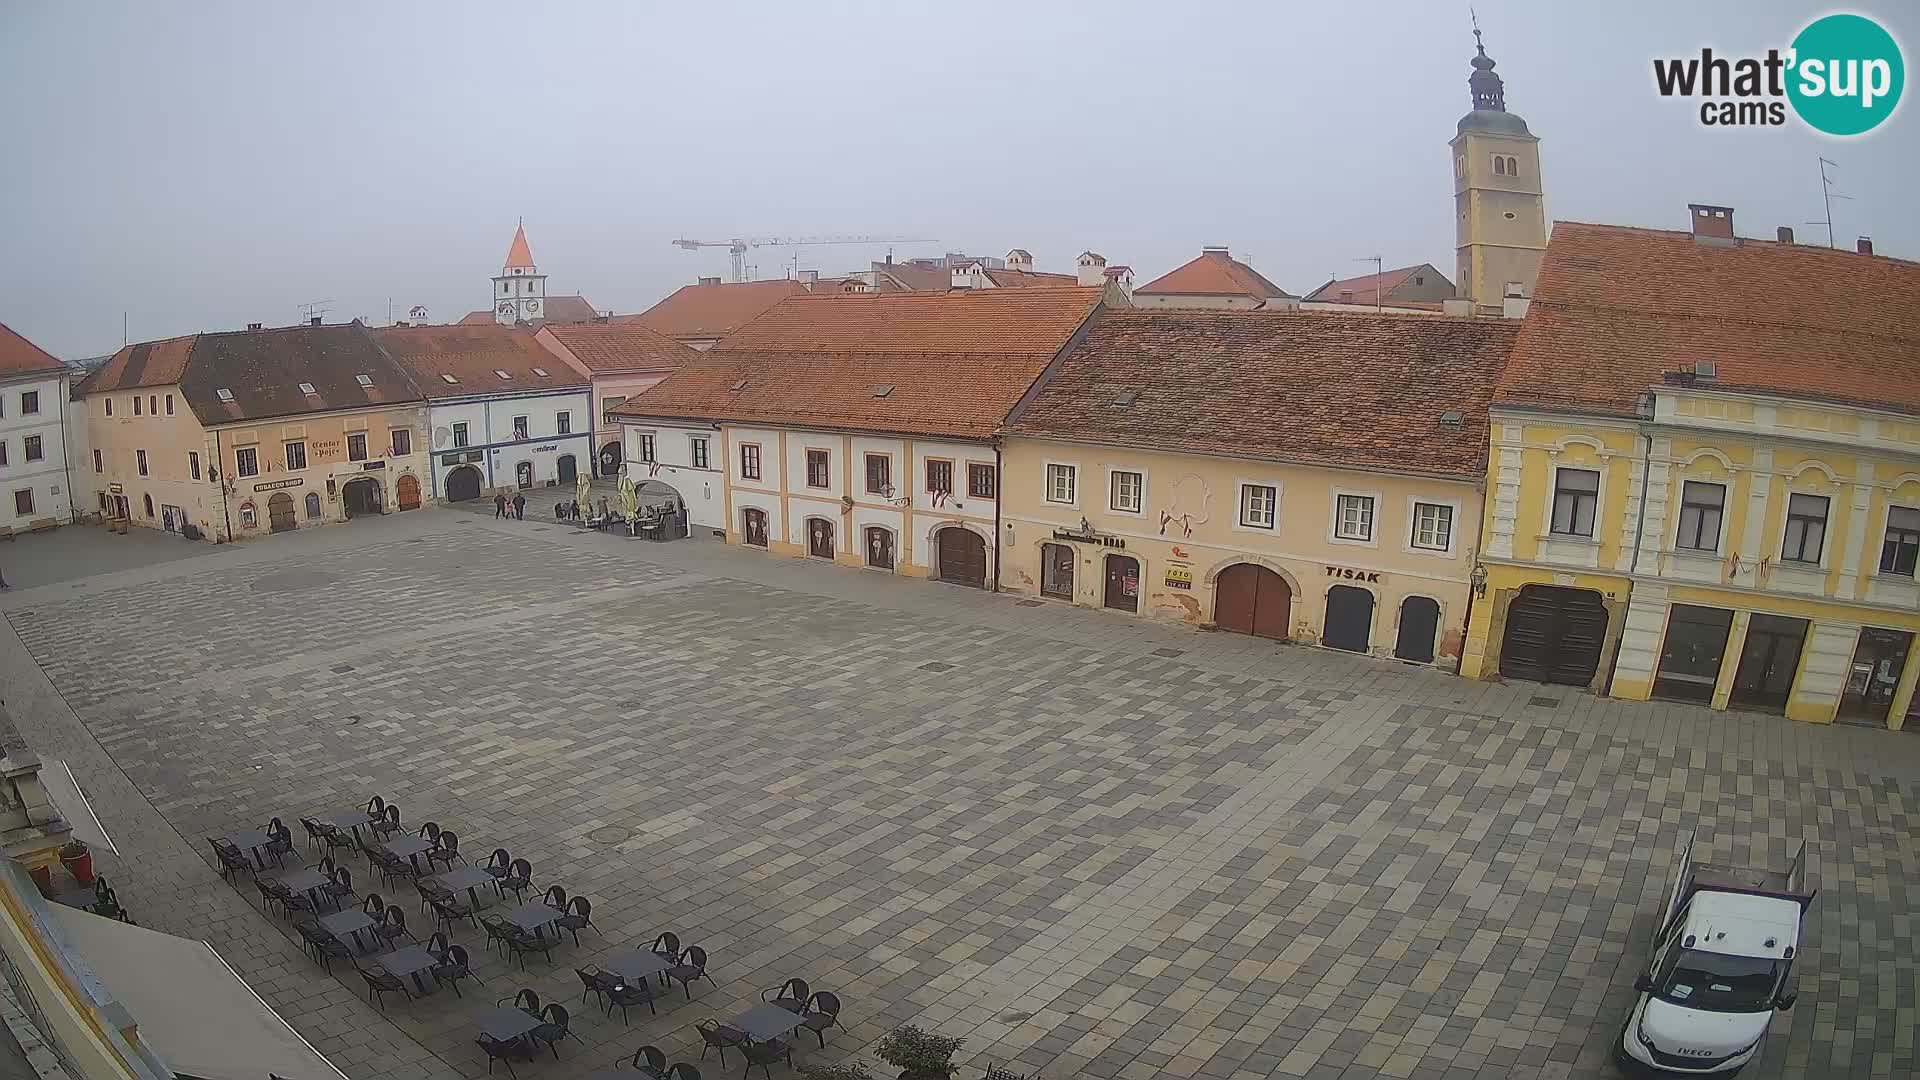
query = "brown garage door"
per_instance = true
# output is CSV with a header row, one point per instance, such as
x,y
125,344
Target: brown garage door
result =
x,y
1249,599
963,558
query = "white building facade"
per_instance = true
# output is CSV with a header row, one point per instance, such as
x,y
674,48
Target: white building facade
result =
x,y
34,489
512,442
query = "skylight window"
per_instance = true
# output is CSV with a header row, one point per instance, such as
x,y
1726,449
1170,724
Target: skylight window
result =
x,y
364,380
1452,417
307,388
1125,398
224,394
501,373
739,385
883,390
540,371
449,380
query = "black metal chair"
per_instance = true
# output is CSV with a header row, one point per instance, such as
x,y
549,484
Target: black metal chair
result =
x,y
393,925
526,999
430,831
554,1028
822,1012
718,1036
380,983
791,995
650,1061
765,1053
279,842
316,835
595,982
374,906
339,887
389,824
518,880
556,898
683,1071
500,1051
579,917
233,861
449,910
376,809
667,947
692,966
454,966
499,863
437,945
522,943
335,839
446,850
628,994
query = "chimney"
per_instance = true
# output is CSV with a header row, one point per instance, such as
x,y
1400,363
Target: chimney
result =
x,y
253,326
1864,245
1456,307
709,281
1712,224
809,278
1093,268
1786,234
314,321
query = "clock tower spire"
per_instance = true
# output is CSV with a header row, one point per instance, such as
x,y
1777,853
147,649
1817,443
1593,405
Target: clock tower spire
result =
x,y
1498,195
520,290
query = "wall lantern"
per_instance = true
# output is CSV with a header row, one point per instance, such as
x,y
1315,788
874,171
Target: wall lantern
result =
x,y
1479,579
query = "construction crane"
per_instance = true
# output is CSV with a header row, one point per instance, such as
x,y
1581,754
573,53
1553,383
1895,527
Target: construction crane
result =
x,y
737,248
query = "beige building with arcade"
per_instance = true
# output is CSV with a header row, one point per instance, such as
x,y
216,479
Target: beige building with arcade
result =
x,y
1301,476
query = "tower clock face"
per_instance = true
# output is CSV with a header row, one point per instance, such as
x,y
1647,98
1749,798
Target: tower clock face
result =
x,y
533,307
505,307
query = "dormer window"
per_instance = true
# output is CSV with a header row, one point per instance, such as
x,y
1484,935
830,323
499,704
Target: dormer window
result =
x,y
364,380
224,394
307,388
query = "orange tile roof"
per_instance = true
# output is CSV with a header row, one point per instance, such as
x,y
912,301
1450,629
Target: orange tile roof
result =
x,y
1026,279
519,255
955,362
474,355
18,356
698,312
606,348
1614,308
1214,273
1350,390
146,363
1364,287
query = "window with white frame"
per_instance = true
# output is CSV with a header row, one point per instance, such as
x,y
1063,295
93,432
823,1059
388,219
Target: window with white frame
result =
x,y
520,427
1353,517
1806,529
460,435
697,447
296,455
1259,505
1900,549
246,461
646,446
563,423
1576,497
1127,491
1432,526
357,446
750,461
1060,483
1701,506
402,441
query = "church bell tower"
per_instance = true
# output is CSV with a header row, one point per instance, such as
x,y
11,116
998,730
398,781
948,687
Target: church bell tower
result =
x,y
1499,202
520,291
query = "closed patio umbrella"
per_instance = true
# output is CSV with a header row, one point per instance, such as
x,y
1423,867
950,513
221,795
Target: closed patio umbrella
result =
x,y
629,496
584,497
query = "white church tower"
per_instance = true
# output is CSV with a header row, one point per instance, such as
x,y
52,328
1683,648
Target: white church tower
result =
x,y
519,293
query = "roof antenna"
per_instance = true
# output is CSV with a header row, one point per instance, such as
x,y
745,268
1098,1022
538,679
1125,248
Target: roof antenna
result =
x,y
1377,272
1828,195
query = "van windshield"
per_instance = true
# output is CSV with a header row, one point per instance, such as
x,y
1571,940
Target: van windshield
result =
x,y
1718,982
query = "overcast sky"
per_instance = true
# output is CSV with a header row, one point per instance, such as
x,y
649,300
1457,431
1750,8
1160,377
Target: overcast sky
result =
x,y
203,166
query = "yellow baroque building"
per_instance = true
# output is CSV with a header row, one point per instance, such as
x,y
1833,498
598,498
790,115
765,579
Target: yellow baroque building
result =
x,y
1704,476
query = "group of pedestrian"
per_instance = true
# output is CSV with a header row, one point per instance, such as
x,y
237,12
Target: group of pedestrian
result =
x,y
514,509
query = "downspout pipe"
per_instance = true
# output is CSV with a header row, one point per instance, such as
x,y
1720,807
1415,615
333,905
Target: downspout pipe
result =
x,y
1646,405
220,456
998,491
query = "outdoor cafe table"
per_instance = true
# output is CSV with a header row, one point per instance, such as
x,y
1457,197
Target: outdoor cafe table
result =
x,y
412,960
533,917
469,878
637,965
764,1022
253,840
343,923
506,1025
409,848
350,819
304,881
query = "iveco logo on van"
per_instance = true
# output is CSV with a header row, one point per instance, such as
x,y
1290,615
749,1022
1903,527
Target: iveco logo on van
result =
x,y
1842,74
1694,1053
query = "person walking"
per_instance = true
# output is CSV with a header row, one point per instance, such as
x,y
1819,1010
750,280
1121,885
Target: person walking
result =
x,y
519,507
500,506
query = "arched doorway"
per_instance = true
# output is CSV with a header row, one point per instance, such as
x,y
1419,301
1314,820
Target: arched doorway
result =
x,y
407,492
313,506
753,527
569,470
147,500
1056,571
879,548
1251,599
1349,619
1123,583
361,496
523,475
820,538
962,555
1419,624
610,459
1554,635
463,484
280,513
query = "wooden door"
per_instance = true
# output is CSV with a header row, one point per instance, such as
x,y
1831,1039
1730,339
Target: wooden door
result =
x,y
1123,583
820,538
280,513
753,526
963,557
1419,621
1056,571
879,548
463,484
1554,635
523,475
1768,662
408,492
1349,619
569,470
1250,599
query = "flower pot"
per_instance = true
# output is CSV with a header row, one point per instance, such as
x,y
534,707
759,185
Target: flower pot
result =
x,y
43,877
80,866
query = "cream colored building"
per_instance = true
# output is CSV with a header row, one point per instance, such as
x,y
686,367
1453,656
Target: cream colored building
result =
x,y
1499,200
227,435
1307,477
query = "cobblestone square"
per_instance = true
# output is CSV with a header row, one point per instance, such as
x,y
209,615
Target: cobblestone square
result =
x,y
1094,846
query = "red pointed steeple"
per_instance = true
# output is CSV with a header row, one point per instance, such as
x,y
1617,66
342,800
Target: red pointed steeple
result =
x,y
519,255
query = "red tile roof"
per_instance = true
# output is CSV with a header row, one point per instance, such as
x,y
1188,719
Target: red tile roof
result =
x,y
519,255
953,362
1614,308
608,348
700,312
146,363
1350,390
1026,279
1214,273
18,356
1363,288
555,309
475,355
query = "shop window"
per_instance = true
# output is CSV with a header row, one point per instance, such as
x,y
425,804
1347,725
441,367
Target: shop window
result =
x,y
1691,655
